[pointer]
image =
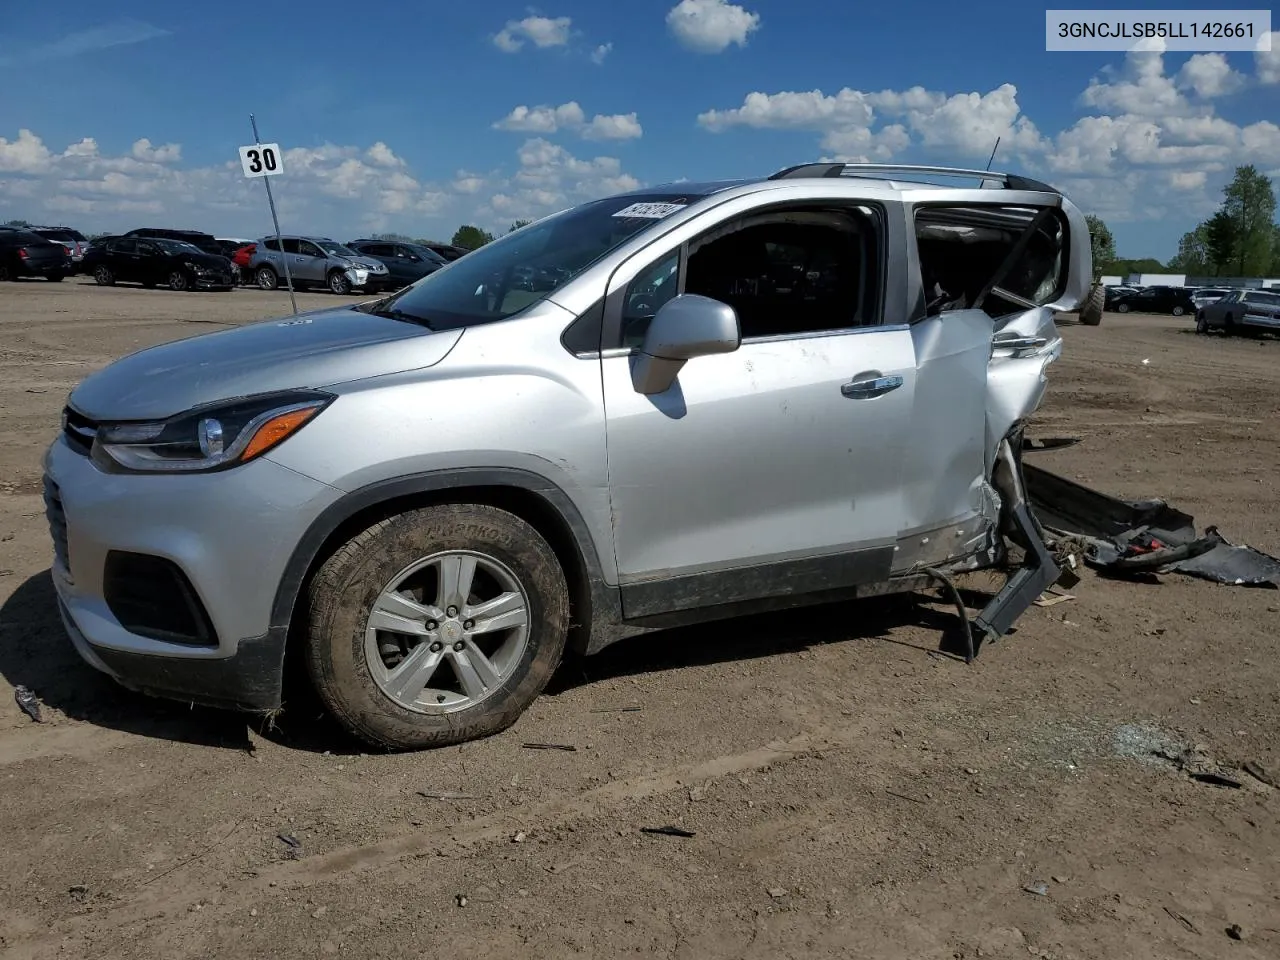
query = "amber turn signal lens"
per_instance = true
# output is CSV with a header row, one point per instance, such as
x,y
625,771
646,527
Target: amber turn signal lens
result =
x,y
275,430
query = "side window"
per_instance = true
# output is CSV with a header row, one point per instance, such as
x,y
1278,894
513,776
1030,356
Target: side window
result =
x,y
124,246
147,249
290,245
271,244
309,249
647,292
793,273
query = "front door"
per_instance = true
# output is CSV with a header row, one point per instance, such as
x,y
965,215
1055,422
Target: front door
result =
x,y
776,469
122,258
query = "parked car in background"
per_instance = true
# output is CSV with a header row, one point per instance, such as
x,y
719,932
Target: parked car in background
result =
x,y
316,262
447,250
430,497
1174,300
27,254
1202,296
203,241
1241,312
153,261
75,242
240,259
405,262
230,245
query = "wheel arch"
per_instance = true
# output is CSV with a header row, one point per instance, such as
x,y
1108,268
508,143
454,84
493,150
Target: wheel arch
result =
x,y
537,501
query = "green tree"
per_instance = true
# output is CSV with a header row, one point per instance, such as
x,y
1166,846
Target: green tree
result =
x,y
1275,253
1250,204
1193,254
517,225
471,237
18,223
1221,239
393,237
1101,244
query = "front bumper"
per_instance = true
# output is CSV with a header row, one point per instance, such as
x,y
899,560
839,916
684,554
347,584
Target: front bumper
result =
x,y
229,533
214,281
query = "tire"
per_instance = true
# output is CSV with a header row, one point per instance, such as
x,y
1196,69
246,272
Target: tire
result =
x,y
339,282
342,654
178,282
1122,308
267,278
1202,324
103,276
55,277
1091,310
1179,311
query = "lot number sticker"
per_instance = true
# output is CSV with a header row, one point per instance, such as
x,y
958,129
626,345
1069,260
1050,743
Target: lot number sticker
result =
x,y
261,160
650,211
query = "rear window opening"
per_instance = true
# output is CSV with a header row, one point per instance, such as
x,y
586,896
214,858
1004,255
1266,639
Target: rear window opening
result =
x,y
1000,259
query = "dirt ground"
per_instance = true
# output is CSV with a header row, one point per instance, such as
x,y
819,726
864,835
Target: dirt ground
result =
x,y
851,791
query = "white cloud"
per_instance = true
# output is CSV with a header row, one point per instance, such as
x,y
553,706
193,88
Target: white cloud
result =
x,y
617,126
550,178
600,52
1267,62
90,40
380,155
1209,75
570,116
26,154
143,150
1193,180
541,31
965,122
1141,89
711,26
468,183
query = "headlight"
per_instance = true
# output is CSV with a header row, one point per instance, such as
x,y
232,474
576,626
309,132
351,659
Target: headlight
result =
x,y
212,437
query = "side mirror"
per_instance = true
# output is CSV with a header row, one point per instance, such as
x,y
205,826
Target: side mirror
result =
x,y
684,327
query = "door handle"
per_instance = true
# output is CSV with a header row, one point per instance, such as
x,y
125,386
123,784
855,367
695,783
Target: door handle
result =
x,y
876,386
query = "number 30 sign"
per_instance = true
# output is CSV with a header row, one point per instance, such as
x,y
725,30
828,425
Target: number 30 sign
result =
x,y
261,160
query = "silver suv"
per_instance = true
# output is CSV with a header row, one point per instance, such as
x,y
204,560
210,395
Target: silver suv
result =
x,y
316,262
671,406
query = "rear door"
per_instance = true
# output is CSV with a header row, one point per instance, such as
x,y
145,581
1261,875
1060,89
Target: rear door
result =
x,y
122,259
307,260
773,470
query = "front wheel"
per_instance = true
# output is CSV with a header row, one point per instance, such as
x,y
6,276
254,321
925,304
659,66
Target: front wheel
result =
x,y
178,281
436,626
1122,308
1179,311
339,282
103,277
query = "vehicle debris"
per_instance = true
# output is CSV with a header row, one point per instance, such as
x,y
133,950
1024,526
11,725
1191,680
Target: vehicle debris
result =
x,y
1126,537
27,701
550,746
1182,920
668,831
1039,888
446,795
293,844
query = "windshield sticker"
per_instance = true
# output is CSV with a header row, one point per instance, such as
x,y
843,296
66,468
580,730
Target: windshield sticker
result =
x,y
650,211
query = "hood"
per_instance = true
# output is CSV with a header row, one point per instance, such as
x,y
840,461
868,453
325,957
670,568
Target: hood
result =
x,y
214,260
367,262
316,349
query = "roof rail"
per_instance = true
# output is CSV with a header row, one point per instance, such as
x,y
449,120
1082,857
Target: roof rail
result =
x,y
1011,181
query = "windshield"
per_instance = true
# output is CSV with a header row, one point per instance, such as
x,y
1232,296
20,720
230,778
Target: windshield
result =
x,y
504,277
336,249
175,246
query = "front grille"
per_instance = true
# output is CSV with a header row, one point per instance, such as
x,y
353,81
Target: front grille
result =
x,y
79,430
57,525
152,597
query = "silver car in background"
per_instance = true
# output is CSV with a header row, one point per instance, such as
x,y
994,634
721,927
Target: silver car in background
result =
x,y
1241,312
681,404
316,262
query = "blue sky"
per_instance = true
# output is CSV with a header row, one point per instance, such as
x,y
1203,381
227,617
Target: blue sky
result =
x,y
419,117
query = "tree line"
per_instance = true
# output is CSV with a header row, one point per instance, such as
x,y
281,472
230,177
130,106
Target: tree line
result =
x,y
468,236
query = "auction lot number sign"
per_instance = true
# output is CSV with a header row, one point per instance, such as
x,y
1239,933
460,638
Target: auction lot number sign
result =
x,y
261,160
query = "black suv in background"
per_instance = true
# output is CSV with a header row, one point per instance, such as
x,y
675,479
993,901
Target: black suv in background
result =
x,y
447,250
1174,300
27,254
405,262
205,241
152,261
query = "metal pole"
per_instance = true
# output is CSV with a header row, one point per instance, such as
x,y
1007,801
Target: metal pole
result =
x,y
288,278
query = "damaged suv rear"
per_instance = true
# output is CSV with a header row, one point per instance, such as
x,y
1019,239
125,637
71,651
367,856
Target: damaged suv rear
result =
x,y
720,398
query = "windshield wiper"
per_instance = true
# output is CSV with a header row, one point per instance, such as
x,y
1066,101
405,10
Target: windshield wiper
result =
x,y
394,313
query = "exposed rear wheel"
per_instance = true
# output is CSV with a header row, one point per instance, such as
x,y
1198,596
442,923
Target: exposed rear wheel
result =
x,y
437,626
1202,324
1122,308
1091,311
267,278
